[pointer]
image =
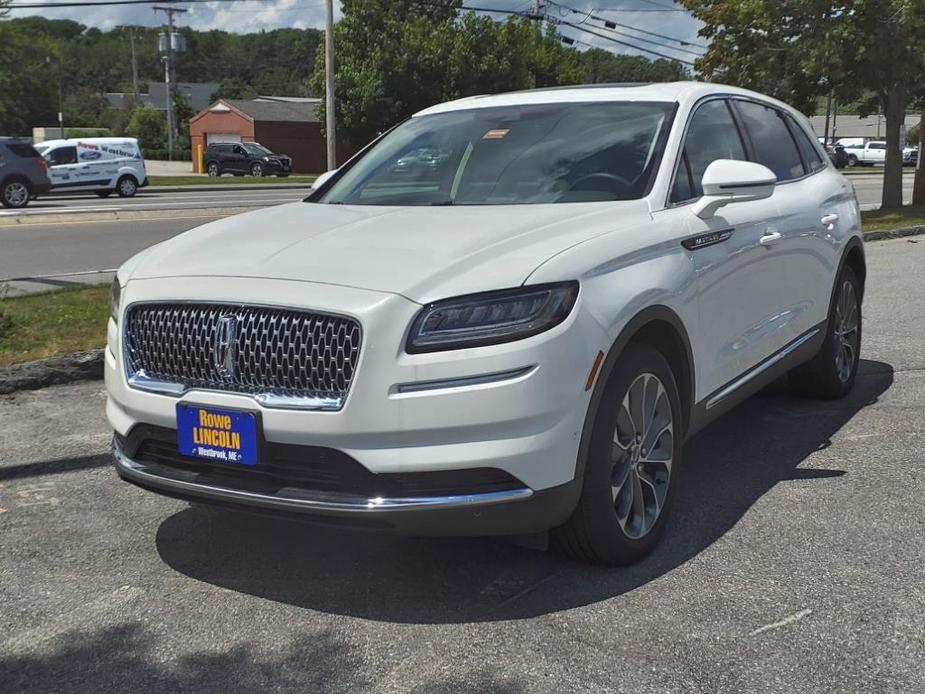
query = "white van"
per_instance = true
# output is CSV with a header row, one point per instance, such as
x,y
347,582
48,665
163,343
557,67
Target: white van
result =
x,y
102,165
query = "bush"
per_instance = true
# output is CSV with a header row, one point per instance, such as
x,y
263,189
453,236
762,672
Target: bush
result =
x,y
149,125
87,132
161,154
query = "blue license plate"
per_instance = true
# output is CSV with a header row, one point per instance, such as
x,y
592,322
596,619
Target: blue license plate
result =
x,y
222,436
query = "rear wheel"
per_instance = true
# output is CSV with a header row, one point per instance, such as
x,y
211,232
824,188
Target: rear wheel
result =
x,y
631,465
832,372
127,186
212,168
15,193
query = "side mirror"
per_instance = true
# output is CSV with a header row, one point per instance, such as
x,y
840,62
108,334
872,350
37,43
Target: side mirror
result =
x,y
727,181
322,179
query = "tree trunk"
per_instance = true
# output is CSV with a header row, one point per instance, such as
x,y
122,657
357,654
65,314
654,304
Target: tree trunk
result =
x,y
895,112
918,188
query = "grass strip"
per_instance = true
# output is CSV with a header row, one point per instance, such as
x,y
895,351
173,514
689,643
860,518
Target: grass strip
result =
x,y
52,323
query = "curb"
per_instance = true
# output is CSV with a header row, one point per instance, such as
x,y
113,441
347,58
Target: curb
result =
x,y
886,234
79,366
206,188
115,215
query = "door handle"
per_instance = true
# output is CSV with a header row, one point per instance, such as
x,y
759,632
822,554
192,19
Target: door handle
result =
x,y
770,238
829,220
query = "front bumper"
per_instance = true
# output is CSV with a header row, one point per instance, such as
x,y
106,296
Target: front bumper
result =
x,y
505,512
517,407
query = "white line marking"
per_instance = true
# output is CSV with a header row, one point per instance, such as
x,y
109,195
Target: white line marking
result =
x,y
782,623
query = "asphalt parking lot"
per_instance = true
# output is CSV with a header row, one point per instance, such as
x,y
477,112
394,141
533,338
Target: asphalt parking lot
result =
x,y
793,563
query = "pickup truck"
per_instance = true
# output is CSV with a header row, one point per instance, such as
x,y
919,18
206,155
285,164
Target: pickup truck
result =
x,y
866,155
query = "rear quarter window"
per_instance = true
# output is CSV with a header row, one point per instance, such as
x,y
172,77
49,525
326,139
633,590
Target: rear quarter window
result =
x,y
21,149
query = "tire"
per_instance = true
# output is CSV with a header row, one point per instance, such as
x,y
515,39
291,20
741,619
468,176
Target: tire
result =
x,y
611,524
831,373
104,193
15,193
257,169
213,169
127,186
852,160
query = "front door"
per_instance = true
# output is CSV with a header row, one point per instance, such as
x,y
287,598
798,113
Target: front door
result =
x,y
64,170
737,269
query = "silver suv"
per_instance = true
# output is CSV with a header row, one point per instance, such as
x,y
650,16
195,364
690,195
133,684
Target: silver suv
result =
x,y
23,173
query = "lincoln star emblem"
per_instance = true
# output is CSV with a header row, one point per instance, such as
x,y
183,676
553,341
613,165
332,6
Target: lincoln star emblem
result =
x,y
225,349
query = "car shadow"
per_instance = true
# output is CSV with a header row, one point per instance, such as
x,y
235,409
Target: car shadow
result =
x,y
728,467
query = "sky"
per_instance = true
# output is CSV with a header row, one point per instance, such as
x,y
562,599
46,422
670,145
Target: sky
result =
x,y
659,16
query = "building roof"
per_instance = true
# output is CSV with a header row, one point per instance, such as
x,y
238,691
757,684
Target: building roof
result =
x,y
197,94
855,126
275,111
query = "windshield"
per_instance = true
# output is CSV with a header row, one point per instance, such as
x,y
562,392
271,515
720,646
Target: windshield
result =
x,y
255,148
41,149
526,154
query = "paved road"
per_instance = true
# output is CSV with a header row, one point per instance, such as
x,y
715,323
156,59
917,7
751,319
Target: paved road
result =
x,y
74,245
793,564
869,188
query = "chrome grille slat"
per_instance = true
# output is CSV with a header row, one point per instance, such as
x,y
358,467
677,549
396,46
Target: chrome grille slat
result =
x,y
284,353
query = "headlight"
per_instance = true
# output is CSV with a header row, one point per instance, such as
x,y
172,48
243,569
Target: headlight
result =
x,y
491,318
115,299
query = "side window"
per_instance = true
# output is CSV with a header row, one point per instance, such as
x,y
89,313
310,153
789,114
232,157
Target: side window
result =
x,y
712,135
62,155
774,146
878,145
809,152
238,149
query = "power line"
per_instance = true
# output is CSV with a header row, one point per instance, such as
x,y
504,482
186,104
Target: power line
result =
x,y
622,43
608,22
99,3
650,41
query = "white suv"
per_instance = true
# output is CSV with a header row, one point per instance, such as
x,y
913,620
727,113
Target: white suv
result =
x,y
514,333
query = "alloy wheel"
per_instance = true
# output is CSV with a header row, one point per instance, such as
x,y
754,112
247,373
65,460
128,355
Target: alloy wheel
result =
x,y
127,187
16,194
642,454
846,331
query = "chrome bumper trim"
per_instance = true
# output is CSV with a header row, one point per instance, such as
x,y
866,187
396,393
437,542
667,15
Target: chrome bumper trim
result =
x,y
463,381
140,381
292,499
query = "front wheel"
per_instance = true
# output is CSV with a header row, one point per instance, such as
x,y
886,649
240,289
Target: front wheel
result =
x,y
852,160
15,194
257,169
831,373
631,465
127,186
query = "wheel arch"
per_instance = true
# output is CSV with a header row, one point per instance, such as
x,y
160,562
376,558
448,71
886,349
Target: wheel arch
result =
x,y
853,257
659,327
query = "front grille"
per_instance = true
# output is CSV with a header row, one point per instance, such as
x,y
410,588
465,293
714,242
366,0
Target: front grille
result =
x,y
243,349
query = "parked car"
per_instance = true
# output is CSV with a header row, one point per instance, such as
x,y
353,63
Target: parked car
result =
x,y
240,158
521,342
103,165
23,173
865,154
910,156
837,155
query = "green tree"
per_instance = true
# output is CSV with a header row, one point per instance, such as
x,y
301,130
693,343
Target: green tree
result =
x,y
800,49
423,54
149,125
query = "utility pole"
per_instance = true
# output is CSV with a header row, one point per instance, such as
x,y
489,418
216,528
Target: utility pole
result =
x,y
329,83
828,115
168,69
131,37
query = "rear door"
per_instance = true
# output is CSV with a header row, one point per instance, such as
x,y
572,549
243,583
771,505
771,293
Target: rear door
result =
x,y
738,277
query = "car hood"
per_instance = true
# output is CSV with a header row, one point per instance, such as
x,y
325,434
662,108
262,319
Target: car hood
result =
x,y
423,253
